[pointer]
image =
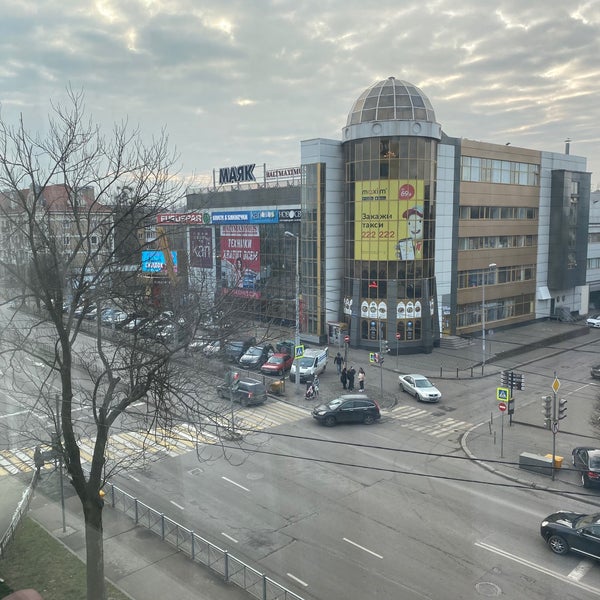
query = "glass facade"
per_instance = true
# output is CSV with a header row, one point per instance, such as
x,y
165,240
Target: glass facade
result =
x,y
390,227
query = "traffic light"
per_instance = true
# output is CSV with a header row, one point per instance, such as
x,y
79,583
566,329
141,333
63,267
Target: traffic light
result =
x,y
547,404
562,408
506,378
386,346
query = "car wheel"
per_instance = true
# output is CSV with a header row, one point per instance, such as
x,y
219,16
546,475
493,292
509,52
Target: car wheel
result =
x,y
329,421
558,544
280,372
585,480
369,420
244,401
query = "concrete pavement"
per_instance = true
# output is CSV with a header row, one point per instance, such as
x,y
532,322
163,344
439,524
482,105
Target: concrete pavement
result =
x,y
146,568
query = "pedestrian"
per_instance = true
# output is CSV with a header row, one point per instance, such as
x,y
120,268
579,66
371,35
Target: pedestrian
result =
x,y
361,380
351,374
337,361
344,377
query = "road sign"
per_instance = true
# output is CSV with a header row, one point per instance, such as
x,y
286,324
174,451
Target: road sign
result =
x,y
502,406
398,336
502,394
347,339
554,426
299,351
556,385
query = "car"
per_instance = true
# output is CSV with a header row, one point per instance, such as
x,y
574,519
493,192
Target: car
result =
x,y
249,392
286,346
197,344
420,387
593,321
278,364
256,356
212,348
349,408
595,371
235,348
566,531
587,461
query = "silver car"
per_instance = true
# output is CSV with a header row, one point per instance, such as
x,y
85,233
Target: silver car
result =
x,y
420,387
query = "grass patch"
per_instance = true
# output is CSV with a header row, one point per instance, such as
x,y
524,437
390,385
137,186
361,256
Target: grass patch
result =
x,y
37,560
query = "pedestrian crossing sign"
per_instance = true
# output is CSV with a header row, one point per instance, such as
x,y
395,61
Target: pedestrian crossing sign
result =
x,y
502,394
299,351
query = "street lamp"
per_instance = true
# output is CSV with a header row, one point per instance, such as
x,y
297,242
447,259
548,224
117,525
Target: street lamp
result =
x,y
297,337
491,266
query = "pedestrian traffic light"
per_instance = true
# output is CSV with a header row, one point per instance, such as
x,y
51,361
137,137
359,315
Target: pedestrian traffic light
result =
x,y
562,408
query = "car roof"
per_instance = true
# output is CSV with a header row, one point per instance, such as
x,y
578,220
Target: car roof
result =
x,y
415,376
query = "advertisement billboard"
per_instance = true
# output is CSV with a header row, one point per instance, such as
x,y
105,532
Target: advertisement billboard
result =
x,y
201,247
240,260
389,220
153,261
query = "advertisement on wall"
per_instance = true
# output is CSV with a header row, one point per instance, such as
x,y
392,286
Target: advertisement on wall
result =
x,y
389,220
153,261
240,260
201,247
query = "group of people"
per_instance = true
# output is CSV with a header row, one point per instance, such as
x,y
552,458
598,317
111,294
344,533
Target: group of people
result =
x,y
348,375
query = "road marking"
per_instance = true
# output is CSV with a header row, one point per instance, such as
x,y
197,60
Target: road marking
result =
x,y
539,568
297,580
132,477
363,548
580,570
177,505
234,483
229,537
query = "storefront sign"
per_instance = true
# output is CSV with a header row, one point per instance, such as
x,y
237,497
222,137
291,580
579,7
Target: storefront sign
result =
x,y
183,218
236,174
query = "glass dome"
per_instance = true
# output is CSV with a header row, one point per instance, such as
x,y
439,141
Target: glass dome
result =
x,y
391,100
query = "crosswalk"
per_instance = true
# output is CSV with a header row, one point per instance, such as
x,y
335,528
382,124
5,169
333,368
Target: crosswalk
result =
x,y
138,448
421,420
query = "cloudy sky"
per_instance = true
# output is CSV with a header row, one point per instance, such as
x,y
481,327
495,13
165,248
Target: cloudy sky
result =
x,y
243,81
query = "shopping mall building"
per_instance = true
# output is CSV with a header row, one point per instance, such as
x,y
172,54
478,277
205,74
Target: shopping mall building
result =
x,y
403,233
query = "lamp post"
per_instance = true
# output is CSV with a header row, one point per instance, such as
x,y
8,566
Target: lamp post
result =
x,y
297,336
491,266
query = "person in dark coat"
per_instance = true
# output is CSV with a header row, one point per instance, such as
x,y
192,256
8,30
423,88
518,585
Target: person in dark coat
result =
x,y
351,374
344,377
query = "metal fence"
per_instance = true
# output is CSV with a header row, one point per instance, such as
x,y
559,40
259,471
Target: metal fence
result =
x,y
18,515
198,549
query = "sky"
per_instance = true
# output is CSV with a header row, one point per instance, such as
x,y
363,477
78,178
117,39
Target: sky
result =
x,y
235,82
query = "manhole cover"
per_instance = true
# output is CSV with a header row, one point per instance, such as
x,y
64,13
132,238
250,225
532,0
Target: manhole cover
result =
x,y
487,588
254,476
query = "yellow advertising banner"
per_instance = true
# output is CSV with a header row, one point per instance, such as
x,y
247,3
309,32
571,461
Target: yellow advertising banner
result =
x,y
389,220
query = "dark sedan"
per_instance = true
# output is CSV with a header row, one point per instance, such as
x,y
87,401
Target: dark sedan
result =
x,y
351,408
568,531
587,461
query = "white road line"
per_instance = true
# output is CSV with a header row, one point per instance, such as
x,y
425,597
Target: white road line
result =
x,y
229,537
539,568
297,580
177,505
580,570
132,477
363,548
234,483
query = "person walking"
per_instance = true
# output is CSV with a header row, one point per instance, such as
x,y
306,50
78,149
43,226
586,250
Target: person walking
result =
x,y
337,361
361,380
351,374
344,377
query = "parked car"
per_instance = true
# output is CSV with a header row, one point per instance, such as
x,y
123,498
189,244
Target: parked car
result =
x,y
197,343
587,461
278,364
256,356
595,371
235,348
593,321
212,348
420,387
350,408
249,392
286,346
567,531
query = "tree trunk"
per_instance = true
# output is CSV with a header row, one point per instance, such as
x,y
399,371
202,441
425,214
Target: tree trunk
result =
x,y
94,543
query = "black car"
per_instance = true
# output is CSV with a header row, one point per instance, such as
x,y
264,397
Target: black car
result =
x,y
256,356
350,408
595,371
249,391
587,461
568,531
235,348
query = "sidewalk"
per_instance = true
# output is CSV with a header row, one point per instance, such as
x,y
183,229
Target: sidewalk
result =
x,y
146,568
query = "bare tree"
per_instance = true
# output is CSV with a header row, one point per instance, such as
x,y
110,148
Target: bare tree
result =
x,y
73,203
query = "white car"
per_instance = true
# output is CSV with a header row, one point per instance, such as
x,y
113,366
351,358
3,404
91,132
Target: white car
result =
x,y
594,321
420,387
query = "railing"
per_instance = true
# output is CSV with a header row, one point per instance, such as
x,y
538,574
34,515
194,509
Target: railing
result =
x,y
198,549
18,515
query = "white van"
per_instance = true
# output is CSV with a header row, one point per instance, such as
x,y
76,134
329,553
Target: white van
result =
x,y
312,364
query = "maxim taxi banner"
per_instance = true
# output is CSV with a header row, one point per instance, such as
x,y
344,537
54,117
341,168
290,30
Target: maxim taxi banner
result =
x,y
389,220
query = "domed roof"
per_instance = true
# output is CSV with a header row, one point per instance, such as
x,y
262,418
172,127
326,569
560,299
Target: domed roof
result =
x,y
391,100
